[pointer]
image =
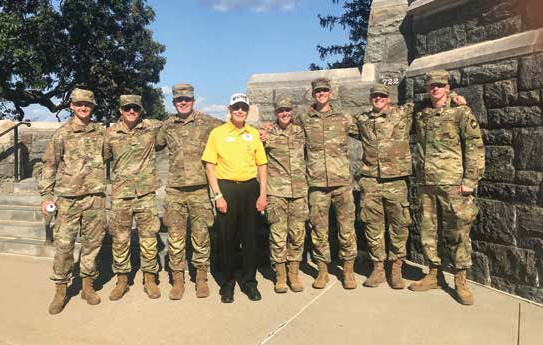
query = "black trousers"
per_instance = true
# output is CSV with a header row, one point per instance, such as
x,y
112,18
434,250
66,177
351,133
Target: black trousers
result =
x,y
238,226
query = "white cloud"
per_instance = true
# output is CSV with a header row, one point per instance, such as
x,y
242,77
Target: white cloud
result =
x,y
217,110
255,5
166,90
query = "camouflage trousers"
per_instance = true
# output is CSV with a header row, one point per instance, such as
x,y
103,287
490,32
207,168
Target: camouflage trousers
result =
x,y
382,202
320,200
143,210
181,206
287,217
84,215
445,209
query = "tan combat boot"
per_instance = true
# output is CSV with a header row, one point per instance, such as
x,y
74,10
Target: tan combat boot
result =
x,y
349,282
178,285
202,290
465,296
280,278
377,276
295,282
427,283
149,285
88,292
120,288
396,279
57,305
322,278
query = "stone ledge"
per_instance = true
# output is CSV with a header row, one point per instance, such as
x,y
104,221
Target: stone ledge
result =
x,y
343,74
525,43
424,8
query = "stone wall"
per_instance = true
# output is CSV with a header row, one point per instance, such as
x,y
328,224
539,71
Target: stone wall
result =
x,y
32,143
502,81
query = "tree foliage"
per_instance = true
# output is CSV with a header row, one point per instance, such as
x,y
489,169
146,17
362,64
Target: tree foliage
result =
x,y
355,18
47,48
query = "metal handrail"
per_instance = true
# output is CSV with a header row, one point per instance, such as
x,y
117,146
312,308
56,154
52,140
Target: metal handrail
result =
x,y
15,129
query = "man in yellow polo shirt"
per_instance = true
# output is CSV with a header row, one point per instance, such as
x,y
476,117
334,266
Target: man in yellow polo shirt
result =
x,y
234,156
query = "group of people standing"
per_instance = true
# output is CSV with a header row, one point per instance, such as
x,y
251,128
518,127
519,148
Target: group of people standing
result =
x,y
293,170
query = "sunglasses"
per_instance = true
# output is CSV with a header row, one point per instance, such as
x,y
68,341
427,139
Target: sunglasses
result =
x,y
321,90
378,95
239,106
129,107
83,104
283,110
184,99
438,85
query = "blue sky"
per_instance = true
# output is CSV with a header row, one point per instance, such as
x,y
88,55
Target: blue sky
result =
x,y
216,45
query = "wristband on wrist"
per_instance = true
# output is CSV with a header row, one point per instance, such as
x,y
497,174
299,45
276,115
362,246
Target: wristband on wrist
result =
x,y
217,196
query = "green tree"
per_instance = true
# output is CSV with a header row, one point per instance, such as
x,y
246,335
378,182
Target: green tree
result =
x,y
355,18
48,48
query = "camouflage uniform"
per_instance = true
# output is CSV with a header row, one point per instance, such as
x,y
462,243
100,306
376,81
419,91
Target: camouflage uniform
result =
x,y
187,197
449,153
74,171
329,179
287,209
134,183
385,163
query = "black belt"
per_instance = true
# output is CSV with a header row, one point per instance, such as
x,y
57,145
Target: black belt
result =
x,y
237,182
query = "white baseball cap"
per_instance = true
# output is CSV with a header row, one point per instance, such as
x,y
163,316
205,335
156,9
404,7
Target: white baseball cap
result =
x,y
239,98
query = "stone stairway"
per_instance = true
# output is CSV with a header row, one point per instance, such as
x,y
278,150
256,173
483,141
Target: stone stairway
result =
x,y
22,229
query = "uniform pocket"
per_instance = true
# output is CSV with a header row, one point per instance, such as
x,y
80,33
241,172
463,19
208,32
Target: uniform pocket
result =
x,y
406,214
464,209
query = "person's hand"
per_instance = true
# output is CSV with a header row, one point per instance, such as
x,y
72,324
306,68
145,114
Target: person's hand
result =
x,y
261,203
221,204
43,206
263,134
465,190
459,100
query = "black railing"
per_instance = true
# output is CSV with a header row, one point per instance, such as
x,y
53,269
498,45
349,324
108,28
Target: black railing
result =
x,y
15,129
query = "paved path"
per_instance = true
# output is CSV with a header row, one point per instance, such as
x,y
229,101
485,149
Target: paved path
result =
x,y
379,316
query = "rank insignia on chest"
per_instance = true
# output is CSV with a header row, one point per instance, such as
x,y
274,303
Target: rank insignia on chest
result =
x,y
473,124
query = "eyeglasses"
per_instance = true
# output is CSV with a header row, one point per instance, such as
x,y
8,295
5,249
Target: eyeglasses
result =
x,y
321,90
238,106
379,95
129,107
438,85
83,104
183,99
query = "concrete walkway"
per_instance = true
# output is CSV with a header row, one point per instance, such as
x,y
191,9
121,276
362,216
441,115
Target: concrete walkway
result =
x,y
378,316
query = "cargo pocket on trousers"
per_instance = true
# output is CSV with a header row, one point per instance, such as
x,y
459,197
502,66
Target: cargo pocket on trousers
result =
x,y
406,214
464,209
208,217
272,214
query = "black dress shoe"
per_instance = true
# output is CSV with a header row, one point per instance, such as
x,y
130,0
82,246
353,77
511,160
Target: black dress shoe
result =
x,y
227,299
253,294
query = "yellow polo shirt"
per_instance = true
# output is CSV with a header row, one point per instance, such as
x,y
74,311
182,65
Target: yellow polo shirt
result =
x,y
235,152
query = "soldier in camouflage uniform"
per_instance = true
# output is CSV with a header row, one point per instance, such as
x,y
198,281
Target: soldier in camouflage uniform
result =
x,y
131,144
73,170
386,161
187,197
326,129
449,162
287,209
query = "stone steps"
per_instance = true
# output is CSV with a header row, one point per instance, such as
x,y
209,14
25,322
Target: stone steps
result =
x,y
22,229
20,213
28,247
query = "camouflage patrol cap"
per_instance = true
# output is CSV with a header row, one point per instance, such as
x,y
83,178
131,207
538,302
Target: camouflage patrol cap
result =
x,y
182,90
380,88
437,77
283,102
81,95
321,83
130,99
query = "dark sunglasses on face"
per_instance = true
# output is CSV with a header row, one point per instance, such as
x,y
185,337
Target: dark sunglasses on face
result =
x,y
379,95
129,107
183,99
321,90
439,86
283,110
239,106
